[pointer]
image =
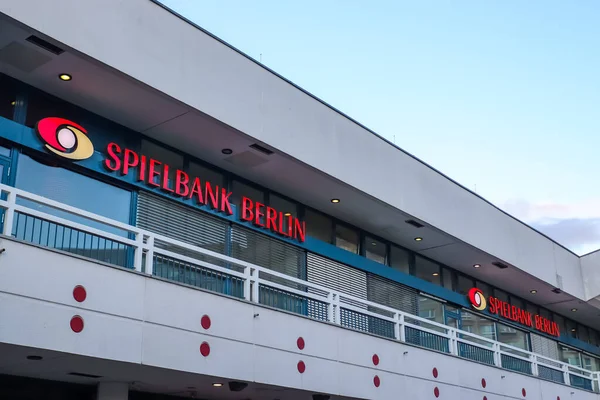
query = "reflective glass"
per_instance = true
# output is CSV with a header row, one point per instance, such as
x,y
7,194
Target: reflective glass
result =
x,y
346,238
399,259
427,270
511,336
375,250
318,226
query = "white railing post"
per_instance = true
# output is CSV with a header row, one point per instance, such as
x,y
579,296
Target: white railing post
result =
x,y
149,267
397,326
9,213
330,307
453,343
248,283
254,277
565,369
138,251
337,309
534,364
401,327
497,356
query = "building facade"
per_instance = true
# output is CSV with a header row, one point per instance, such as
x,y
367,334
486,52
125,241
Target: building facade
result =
x,y
180,221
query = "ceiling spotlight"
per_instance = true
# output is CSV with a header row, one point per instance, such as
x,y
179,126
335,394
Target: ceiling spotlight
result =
x,y
435,274
533,291
13,103
217,384
476,265
226,151
335,201
573,309
287,214
373,244
35,358
573,330
65,77
418,239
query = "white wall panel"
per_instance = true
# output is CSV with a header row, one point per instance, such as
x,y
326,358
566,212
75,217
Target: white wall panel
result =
x,y
258,349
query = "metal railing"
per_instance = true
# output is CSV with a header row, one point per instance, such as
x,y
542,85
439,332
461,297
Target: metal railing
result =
x,y
130,247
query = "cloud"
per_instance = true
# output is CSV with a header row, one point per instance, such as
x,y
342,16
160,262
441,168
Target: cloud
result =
x,y
575,226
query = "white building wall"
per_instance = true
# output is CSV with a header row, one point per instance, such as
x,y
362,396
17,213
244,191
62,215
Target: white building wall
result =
x,y
142,40
141,320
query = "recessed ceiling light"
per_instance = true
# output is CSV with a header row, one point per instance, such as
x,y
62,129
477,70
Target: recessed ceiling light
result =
x,y
65,77
573,309
35,358
13,103
435,274
217,384
573,330
373,244
335,201
287,214
533,291
418,239
226,151
476,265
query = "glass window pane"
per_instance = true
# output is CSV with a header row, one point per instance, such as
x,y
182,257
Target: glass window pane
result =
x,y
346,238
590,362
164,156
545,313
206,174
447,278
571,328
532,308
41,105
515,301
240,190
318,226
593,337
485,288
511,336
478,325
582,333
75,190
499,294
569,356
427,270
464,284
431,309
8,97
284,206
375,250
400,259
561,323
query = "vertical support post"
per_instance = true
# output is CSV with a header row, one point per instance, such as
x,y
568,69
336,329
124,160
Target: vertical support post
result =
x,y
566,377
401,327
247,284
453,345
497,357
138,251
330,308
534,365
149,267
255,285
397,326
9,213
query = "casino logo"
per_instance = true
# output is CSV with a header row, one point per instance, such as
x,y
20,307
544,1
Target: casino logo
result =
x,y
65,138
477,299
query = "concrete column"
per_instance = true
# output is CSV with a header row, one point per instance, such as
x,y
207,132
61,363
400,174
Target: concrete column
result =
x,y
113,391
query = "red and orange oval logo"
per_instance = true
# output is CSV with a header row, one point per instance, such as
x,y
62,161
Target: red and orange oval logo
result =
x,y
477,299
65,138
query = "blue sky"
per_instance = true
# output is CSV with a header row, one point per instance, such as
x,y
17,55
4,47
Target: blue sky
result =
x,y
501,96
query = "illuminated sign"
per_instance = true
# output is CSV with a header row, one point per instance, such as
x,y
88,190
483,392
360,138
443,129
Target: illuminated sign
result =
x,y
65,138
156,174
513,313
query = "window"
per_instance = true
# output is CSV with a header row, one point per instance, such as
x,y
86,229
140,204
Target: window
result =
x,y
206,174
561,324
318,225
346,238
512,336
427,270
164,156
532,308
571,328
8,97
431,309
485,288
447,278
590,362
399,259
478,325
569,356
283,206
375,250
464,284
499,294
582,333
240,190
515,301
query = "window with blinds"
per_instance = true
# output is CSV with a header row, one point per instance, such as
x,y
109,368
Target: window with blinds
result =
x,y
392,294
336,276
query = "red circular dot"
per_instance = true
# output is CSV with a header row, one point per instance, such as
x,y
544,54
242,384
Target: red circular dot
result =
x,y
77,324
483,383
205,321
300,343
436,392
435,372
376,381
375,359
79,294
557,397
205,349
523,392
484,397
301,367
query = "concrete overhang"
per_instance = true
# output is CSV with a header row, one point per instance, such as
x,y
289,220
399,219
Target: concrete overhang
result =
x,y
152,71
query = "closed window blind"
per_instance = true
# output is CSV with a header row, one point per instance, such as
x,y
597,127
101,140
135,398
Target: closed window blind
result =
x,y
392,294
336,276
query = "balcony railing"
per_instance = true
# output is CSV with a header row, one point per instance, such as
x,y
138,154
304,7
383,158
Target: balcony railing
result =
x,y
89,235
